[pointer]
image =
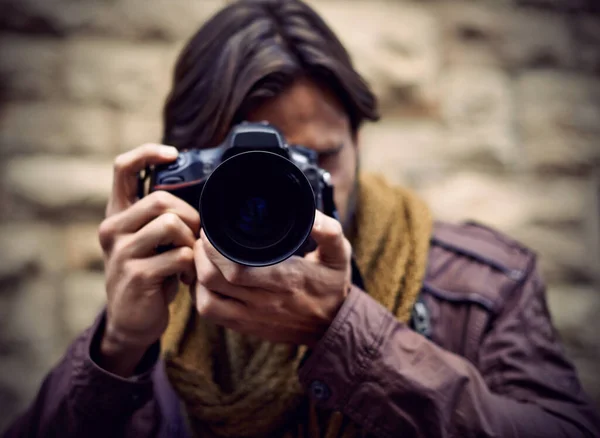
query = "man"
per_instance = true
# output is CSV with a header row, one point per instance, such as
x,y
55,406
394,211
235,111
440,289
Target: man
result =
x,y
322,345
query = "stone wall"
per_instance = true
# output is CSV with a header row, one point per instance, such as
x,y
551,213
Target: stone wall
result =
x,y
491,111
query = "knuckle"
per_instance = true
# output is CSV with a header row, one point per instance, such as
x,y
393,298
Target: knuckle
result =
x,y
136,273
289,275
161,201
234,274
295,278
106,232
170,222
121,246
121,163
347,248
196,221
336,230
205,274
205,308
185,255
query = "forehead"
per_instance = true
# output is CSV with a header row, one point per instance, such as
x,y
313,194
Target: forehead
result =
x,y
306,114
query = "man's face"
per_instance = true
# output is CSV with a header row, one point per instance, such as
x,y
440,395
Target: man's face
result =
x,y
311,116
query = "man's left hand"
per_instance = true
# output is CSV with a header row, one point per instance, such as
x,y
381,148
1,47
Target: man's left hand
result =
x,y
294,301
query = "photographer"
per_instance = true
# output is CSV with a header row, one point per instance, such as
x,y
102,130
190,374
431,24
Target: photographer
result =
x,y
393,326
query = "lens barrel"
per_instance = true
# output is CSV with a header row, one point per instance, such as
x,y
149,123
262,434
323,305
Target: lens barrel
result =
x,y
257,208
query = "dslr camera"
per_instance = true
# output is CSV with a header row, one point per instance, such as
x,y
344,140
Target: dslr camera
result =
x,y
256,194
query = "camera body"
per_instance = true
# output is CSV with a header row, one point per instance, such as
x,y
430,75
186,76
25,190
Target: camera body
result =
x,y
256,194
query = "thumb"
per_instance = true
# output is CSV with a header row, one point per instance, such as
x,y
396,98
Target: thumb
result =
x,y
333,249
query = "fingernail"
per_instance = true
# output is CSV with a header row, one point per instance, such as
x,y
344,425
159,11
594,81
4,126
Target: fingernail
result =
x,y
317,224
169,151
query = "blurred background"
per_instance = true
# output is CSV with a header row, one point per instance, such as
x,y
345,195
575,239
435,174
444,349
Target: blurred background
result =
x,y
491,112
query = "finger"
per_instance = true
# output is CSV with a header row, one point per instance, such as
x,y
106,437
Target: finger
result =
x,y
126,169
333,249
251,285
227,312
213,279
175,262
148,208
167,229
264,277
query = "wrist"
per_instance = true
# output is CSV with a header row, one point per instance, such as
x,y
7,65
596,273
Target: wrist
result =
x,y
117,355
341,299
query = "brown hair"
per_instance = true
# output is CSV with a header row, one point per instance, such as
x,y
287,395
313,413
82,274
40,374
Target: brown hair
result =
x,y
248,52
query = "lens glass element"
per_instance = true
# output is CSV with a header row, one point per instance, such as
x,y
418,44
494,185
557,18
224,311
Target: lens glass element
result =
x,y
259,214
257,208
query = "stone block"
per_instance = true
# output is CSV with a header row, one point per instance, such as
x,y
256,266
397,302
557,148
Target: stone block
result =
x,y
592,224
558,120
574,311
30,67
9,405
395,46
19,380
132,76
560,5
399,148
57,128
84,296
501,35
587,370
136,129
132,19
49,17
476,131
30,249
33,315
82,247
54,183
586,30
506,202
478,112
154,19
563,252
546,214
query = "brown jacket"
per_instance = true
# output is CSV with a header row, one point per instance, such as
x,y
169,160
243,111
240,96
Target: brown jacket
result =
x,y
480,359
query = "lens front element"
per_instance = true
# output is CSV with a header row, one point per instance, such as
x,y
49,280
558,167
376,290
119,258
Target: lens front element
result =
x,y
257,208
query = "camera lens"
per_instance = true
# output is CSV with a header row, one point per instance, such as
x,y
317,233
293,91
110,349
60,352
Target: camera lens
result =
x,y
258,215
257,208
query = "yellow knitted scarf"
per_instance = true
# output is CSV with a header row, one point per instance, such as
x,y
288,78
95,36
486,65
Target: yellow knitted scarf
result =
x,y
233,385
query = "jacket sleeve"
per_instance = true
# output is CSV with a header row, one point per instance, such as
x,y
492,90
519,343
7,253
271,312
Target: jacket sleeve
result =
x,y
80,399
388,379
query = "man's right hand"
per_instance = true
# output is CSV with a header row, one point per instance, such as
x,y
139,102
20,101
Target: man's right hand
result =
x,y
140,283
